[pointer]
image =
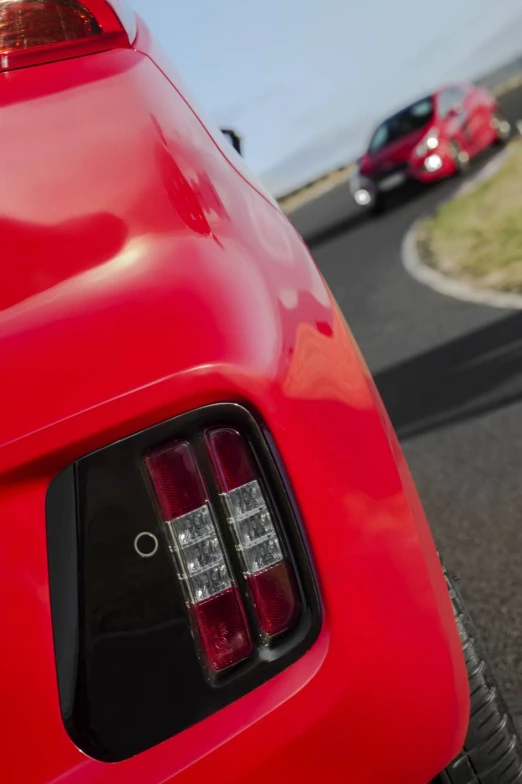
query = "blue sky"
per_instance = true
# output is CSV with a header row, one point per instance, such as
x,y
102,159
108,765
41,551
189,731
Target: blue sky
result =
x,y
304,80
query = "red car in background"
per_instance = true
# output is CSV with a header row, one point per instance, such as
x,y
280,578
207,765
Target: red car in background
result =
x,y
214,566
432,138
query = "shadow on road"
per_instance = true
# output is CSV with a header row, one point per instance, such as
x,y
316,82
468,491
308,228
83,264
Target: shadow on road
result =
x,y
465,378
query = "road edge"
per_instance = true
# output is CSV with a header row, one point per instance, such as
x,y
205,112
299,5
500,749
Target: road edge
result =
x,y
450,287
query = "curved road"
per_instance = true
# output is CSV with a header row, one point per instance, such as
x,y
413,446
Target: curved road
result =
x,y
450,374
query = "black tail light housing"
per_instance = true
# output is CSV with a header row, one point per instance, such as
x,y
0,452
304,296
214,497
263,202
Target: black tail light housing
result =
x,y
179,578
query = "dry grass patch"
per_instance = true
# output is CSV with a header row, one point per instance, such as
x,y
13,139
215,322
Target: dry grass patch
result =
x,y
477,237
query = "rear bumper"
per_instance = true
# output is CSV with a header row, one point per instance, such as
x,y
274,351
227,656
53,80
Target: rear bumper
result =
x,y
381,693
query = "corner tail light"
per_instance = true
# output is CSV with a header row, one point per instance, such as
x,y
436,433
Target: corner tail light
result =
x,y
179,553
40,31
269,575
214,601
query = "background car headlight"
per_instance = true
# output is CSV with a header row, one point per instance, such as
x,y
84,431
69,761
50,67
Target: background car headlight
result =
x,y
433,163
362,197
428,143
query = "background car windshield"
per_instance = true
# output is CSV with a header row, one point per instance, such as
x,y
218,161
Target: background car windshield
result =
x,y
401,124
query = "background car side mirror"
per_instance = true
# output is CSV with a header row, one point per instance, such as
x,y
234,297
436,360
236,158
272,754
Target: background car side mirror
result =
x,y
234,139
454,111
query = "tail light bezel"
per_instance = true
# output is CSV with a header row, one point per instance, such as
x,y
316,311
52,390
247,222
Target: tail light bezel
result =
x,y
67,524
194,428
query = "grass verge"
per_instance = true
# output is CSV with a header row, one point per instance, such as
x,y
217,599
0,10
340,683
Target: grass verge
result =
x,y
477,236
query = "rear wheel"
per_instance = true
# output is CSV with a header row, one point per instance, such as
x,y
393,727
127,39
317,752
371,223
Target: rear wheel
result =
x,y
460,157
379,204
502,127
492,751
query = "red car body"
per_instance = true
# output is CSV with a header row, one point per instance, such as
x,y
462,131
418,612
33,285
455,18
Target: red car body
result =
x,y
146,274
431,138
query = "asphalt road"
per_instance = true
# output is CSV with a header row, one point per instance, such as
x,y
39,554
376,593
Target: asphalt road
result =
x,y
450,374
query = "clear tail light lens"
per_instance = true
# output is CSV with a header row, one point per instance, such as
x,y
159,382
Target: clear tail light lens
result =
x,y
39,31
269,575
195,543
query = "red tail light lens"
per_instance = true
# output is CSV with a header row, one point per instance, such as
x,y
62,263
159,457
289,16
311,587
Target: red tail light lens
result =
x,y
224,636
39,31
193,535
269,576
273,594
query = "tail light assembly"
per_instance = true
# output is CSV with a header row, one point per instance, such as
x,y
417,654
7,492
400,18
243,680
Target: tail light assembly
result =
x,y
180,579
33,32
199,553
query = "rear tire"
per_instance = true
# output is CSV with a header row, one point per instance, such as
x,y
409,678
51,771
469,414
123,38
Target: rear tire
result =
x,y
460,157
503,128
379,204
492,751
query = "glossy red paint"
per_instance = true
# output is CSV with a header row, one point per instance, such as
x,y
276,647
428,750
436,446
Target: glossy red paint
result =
x,y
146,274
463,114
